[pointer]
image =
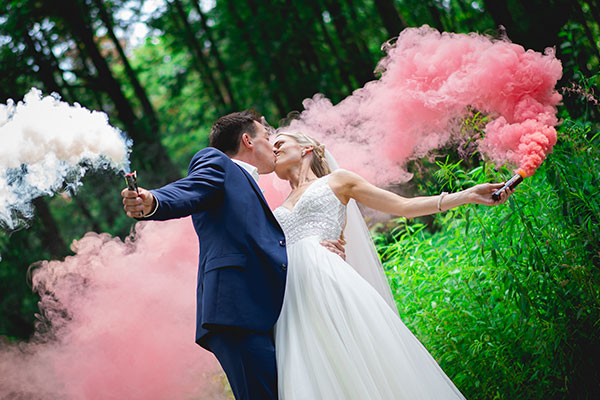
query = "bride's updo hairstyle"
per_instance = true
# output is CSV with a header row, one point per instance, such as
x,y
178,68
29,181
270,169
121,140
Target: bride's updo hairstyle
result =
x,y
318,164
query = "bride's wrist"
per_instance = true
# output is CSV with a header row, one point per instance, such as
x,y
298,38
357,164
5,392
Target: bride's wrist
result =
x,y
441,197
469,196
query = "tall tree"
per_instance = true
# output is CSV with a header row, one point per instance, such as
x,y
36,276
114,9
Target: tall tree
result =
x,y
436,15
140,93
46,71
261,62
338,61
391,18
75,13
273,39
299,51
594,9
362,66
214,51
67,90
50,237
528,31
581,17
200,60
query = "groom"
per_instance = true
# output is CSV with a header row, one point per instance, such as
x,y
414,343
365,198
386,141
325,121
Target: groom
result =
x,y
243,263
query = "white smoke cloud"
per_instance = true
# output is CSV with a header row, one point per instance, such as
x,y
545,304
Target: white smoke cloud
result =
x,y
47,145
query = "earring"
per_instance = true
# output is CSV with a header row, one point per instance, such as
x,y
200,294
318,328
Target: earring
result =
x,y
303,153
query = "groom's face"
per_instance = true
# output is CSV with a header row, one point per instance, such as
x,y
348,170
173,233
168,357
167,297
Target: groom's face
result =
x,y
263,150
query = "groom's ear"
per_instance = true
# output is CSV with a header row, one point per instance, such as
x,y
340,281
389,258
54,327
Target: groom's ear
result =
x,y
246,141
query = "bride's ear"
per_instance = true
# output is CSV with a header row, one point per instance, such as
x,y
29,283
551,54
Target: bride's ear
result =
x,y
306,150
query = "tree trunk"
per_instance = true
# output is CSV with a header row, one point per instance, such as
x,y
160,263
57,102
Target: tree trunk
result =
x,y
67,89
391,18
467,11
341,63
137,87
588,31
595,10
360,64
259,61
214,51
90,83
200,61
279,63
147,143
51,85
500,14
436,16
306,46
73,15
46,73
529,32
356,37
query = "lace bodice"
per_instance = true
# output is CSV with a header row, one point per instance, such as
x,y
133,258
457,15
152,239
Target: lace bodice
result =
x,y
318,213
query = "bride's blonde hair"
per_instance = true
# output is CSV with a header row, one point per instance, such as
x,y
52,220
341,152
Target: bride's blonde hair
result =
x,y
318,164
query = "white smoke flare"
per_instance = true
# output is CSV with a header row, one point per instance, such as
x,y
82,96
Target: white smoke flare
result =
x,y
47,145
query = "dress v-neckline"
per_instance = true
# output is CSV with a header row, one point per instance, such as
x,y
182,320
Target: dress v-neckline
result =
x,y
302,195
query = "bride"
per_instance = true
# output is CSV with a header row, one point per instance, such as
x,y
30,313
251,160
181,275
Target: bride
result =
x,y
339,336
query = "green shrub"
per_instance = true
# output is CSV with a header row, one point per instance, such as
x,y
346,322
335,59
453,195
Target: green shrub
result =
x,y
507,298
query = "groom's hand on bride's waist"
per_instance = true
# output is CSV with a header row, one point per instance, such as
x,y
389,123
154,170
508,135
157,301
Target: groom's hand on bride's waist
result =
x,y
138,205
335,246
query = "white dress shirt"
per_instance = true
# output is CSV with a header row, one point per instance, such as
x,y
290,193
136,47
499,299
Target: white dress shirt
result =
x,y
252,170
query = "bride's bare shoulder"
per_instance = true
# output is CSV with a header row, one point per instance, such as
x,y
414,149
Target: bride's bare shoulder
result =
x,y
343,182
343,177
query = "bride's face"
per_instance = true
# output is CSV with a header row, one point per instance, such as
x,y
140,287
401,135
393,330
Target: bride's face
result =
x,y
288,155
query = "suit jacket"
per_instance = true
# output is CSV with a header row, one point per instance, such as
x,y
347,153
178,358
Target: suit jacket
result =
x,y
242,264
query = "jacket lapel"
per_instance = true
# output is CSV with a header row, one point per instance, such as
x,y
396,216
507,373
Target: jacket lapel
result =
x,y
260,195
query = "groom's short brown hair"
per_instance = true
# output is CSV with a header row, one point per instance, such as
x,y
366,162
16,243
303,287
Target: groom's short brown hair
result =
x,y
227,131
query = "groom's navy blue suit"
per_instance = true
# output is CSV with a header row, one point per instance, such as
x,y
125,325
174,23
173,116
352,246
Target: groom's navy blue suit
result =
x,y
241,270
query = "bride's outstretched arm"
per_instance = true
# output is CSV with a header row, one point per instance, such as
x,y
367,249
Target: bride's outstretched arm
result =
x,y
348,185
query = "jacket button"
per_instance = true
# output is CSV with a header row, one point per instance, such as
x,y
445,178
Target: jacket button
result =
x,y
282,243
283,267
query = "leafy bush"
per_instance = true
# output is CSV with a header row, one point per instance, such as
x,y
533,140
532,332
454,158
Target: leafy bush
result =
x,y
507,298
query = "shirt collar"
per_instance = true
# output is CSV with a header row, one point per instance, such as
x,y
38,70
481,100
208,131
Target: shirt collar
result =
x,y
252,170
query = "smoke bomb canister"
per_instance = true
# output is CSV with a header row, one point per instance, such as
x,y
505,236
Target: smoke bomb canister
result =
x,y
511,183
131,180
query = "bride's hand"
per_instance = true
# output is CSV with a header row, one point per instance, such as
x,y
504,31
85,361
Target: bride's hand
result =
x,y
482,194
336,246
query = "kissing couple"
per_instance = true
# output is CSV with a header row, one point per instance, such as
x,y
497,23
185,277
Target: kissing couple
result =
x,y
283,312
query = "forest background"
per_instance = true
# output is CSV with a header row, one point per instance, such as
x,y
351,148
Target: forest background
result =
x,y
507,299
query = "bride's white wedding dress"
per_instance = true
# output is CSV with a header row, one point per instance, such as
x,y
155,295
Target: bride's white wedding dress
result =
x,y
337,338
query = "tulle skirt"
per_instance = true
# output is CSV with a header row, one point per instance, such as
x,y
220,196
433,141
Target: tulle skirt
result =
x,y
337,339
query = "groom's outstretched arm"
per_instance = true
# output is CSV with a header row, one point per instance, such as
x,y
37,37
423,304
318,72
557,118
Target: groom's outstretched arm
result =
x,y
200,190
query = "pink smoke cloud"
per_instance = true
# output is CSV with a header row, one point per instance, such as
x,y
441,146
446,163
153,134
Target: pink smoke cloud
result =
x,y
430,81
274,189
123,319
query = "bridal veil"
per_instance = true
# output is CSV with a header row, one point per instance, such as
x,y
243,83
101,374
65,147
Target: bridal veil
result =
x,y
360,250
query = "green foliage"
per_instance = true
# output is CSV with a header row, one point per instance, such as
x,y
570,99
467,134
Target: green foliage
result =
x,y
181,101
507,298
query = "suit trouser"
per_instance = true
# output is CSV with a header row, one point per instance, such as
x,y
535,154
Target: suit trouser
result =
x,y
248,360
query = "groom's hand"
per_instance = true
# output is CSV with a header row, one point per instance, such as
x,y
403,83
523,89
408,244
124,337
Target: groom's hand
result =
x,y
335,246
135,205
